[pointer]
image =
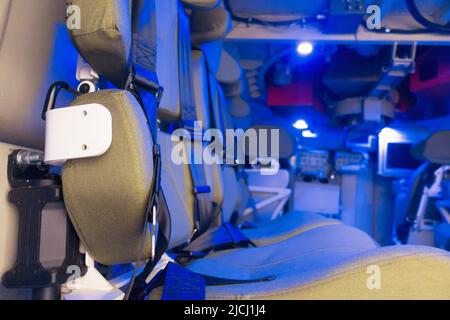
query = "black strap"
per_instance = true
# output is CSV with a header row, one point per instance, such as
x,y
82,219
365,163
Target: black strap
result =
x,y
143,76
143,84
224,237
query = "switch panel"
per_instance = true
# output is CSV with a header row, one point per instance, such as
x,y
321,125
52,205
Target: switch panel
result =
x,y
345,16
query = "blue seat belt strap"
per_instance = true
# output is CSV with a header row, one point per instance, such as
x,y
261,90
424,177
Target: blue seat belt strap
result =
x,y
179,283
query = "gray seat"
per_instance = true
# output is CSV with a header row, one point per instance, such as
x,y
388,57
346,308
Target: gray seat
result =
x,y
237,198
327,262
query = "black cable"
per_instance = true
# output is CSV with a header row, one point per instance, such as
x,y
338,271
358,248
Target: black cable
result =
x,y
412,7
252,20
430,26
386,30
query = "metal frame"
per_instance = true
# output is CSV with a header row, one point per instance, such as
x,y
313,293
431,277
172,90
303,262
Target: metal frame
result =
x,y
280,196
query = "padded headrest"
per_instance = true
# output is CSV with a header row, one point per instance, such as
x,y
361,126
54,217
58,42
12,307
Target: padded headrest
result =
x,y
435,149
213,51
287,142
172,27
230,75
105,37
210,25
230,70
239,108
201,4
233,89
108,210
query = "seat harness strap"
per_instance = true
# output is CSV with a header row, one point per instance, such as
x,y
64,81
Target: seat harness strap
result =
x,y
179,283
204,219
143,84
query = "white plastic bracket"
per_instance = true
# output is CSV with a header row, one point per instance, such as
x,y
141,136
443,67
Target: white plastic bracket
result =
x,y
83,131
85,71
92,286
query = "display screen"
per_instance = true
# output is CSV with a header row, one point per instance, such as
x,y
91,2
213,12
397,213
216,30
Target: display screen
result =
x,y
399,156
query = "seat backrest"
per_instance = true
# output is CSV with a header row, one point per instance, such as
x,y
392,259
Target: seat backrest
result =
x,y
435,151
192,85
35,51
107,196
32,55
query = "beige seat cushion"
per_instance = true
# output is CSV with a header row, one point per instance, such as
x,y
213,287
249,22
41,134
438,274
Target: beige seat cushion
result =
x,y
333,262
285,227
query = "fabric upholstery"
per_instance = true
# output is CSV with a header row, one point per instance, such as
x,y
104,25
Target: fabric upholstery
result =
x,y
209,25
107,196
239,109
442,236
35,52
287,142
200,85
233,89
334,272
230,75
105,36
201,4
435,149
235,264
167,19
287,226
213,52
176,184
230,70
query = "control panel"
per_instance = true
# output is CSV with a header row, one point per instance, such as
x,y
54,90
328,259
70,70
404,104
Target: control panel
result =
x,y
345,16
350,162
314,163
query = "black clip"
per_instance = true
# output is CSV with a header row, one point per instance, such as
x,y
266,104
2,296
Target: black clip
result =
x,y
151,86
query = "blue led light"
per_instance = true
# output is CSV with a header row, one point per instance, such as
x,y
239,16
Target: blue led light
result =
x,y
305,48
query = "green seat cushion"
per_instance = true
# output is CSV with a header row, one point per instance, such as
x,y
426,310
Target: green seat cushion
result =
x,y
106,196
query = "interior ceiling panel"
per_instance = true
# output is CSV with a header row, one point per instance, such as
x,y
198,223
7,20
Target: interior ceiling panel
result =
x,y
289,8
277,7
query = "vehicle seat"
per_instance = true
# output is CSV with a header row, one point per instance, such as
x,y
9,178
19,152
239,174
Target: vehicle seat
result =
x,y
329,262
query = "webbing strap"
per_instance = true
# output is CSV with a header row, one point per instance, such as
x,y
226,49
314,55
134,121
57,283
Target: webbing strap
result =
x,y
182,284
143,77
204,213
143,84
224,237
188,110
